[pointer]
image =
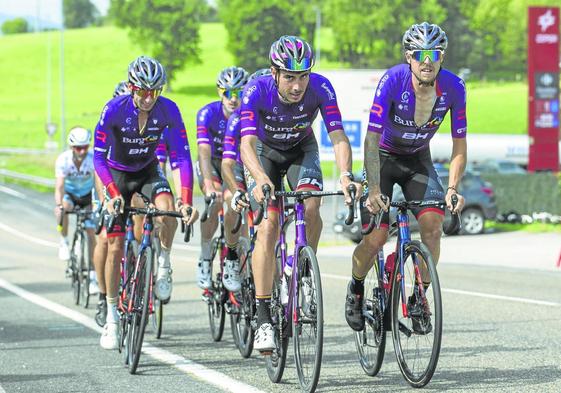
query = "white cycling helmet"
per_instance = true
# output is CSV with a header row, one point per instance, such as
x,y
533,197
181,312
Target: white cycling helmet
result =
x,y
79,136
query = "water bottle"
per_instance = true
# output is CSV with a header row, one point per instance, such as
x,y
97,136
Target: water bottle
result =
x,y
288,266
388,269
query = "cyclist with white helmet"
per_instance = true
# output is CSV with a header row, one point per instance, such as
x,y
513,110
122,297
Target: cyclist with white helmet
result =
x,y
277,113
73,187
126,137
409,105
122,88
211,127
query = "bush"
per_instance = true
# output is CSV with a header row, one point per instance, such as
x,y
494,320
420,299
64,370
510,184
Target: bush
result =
x,y
15,26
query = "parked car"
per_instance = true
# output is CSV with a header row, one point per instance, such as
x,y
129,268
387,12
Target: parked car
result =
x,y
480,206
503,167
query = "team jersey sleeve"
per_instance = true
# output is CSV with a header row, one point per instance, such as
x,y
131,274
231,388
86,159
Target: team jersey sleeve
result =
x,y
458,122
249,109
203,119
230,144
60,170
102,142
328,106
161,149
179,153
381,104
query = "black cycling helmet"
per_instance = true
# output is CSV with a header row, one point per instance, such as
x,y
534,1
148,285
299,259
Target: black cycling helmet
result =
x,y
425,36
147,73
291,53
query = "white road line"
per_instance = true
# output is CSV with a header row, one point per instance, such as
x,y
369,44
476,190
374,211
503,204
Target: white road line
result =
x,y
28,238
21,195
2,390
470,293
184,365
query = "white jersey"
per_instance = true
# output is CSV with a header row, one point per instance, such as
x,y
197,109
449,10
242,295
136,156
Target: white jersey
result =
x,y
77,182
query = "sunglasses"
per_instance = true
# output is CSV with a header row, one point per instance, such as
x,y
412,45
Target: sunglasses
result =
x,y
421,55
143,93
81,148
229,94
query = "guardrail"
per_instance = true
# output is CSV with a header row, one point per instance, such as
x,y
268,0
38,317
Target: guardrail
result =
x,y
43,181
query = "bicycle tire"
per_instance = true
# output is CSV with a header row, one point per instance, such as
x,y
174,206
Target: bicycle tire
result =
x,y
157,317
76,269
400,325
142,300
127,269
86,267
276,362
216,310
309,313
242,330
371,341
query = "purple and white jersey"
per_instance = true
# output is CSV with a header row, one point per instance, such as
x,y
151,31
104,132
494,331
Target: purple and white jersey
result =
x,y
283,126
120,145
392,113
232,138
164,150
211,127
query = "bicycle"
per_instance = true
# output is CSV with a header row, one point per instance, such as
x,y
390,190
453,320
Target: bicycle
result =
x,y
219,300
395,286
80,264
300,315
136,300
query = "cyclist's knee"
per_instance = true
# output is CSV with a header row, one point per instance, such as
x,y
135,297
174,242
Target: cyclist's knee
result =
x,y
170,222
373,242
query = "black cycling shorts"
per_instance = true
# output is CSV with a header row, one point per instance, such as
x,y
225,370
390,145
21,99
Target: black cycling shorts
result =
x,y
300,164
216,167
415,174
150,181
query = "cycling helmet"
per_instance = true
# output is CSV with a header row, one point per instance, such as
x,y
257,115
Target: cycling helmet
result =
x,y
258,73
79,136
425,36
291,53
121,89
232,78
147,73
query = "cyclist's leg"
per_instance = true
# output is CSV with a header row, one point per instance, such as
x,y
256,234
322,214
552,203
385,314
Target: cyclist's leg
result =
x,y
64,248
424,183
208,228
137,201
304,174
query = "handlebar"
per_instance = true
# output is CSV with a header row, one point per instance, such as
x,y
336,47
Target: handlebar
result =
x,y
263,207
456,223
240,216
209,201
187,230
113,217
351,213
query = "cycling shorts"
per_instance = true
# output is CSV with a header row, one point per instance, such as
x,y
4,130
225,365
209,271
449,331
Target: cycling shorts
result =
x,y
415,174
82,202
216,167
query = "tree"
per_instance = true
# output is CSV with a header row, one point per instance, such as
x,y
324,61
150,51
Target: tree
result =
x,y
78,13
368,33
253,26
168,29
15,26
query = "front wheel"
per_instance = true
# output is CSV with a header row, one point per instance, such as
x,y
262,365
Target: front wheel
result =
x,y
86,268
416,315
216,295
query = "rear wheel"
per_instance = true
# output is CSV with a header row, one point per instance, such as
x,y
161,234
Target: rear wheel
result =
x,y
75,263
371,341
241,322
417,335
307,324
157,317
216,294
85,268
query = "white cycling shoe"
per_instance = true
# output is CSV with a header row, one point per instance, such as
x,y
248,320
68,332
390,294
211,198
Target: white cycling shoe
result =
x,y
264,338
163,285
231,277
203,274
110,336
63,251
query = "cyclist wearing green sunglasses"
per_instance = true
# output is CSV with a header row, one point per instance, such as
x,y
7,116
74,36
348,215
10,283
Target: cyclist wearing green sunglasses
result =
x,y
409,105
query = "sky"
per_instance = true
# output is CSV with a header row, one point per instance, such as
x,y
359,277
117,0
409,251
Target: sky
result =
x,y
48,10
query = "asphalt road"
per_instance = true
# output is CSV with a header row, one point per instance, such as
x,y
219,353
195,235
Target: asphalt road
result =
x,y
502,330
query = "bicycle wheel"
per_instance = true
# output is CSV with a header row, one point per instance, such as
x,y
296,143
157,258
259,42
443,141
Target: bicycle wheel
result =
x,y
307,326
85,268
141,303
77,248
371,341
417,335
242,321
157,317
277,360
216,295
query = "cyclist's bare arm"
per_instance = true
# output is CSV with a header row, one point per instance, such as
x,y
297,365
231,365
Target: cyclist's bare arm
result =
x,y
458,162
59,190
344,159
248,149
372,165
205,154
228,176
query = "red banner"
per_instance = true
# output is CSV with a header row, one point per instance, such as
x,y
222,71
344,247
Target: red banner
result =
x,y
543,84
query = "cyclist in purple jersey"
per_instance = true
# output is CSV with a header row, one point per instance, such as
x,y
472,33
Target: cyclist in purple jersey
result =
x,y
277,113
409,105
126,137
211,127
